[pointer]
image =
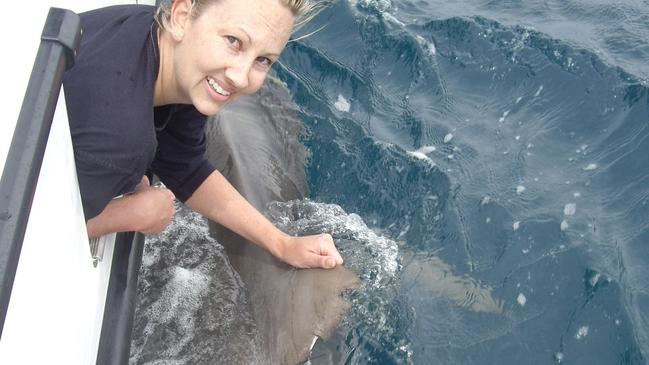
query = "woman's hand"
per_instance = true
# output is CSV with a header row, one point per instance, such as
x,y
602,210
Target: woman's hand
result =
x,y
153,206
304,252
148,210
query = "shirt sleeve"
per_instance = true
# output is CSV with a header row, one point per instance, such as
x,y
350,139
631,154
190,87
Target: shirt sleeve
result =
x,y
180,160
100,181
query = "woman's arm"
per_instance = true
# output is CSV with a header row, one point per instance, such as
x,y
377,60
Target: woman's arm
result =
x,y
148,210
219,201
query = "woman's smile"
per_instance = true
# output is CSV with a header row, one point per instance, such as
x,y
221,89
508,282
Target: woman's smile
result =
x,y
216,96
215,85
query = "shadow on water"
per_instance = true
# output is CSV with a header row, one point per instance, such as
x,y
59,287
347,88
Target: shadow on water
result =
x,y
516,159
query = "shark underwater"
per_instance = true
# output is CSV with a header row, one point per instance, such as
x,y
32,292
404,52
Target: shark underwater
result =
x,y
191,308
206,295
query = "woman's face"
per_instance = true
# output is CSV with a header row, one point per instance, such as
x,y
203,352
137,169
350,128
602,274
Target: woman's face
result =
x,y
227,50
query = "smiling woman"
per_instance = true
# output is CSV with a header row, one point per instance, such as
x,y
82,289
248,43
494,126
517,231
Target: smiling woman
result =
x,y
213,52
138,97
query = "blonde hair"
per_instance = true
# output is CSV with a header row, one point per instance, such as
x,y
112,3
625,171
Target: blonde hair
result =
x,y
304,10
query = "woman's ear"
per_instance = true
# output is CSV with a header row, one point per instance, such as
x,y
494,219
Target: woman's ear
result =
x,y
180,17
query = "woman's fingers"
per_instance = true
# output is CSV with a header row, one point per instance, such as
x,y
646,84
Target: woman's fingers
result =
x,y
316,251
328,249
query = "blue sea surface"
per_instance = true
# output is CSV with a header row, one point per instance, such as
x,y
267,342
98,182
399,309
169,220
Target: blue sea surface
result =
x,y
502,149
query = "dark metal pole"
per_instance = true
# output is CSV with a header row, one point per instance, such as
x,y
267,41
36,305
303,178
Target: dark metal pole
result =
x,y
115,340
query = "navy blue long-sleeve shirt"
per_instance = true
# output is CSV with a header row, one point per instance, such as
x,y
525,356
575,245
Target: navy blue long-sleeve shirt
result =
x,y
117,134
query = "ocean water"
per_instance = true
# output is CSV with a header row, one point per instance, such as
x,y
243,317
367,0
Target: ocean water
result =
x,y
504,141
484,169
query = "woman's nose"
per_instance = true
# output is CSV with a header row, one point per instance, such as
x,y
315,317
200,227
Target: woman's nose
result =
x,y
237,74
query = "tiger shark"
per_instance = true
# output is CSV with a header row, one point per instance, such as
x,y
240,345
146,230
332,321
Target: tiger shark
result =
x,y
254,143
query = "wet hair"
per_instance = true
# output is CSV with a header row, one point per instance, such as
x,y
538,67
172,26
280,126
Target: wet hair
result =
x,y
303,10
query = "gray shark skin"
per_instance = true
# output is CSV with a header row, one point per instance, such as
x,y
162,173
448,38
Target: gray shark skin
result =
x,y
254,143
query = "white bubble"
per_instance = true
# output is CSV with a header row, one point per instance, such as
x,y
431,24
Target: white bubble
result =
x,y
505,114
520,189
485,200
581,332
594,279
426,149
564,225
448,138
521,299
570,209
591,166
342,104
421,156
418,155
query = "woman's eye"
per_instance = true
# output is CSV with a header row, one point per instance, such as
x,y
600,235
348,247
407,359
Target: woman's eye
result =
x,y
234,41
265,61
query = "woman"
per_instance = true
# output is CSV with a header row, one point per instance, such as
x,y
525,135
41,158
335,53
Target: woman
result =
x,y
137,98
